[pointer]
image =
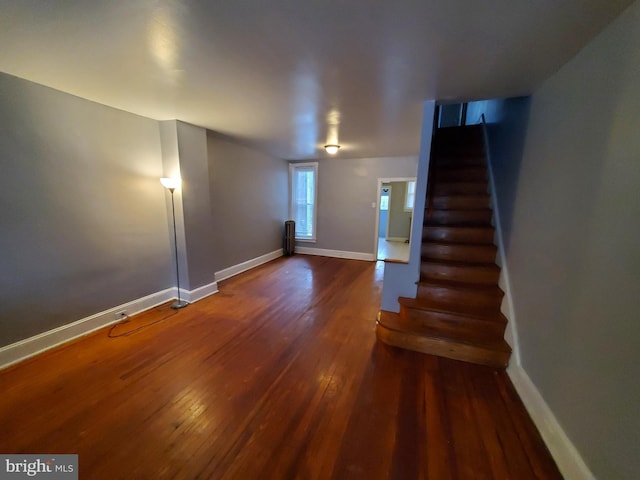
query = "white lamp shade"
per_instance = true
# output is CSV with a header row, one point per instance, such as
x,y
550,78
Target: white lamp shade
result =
x,y
170,182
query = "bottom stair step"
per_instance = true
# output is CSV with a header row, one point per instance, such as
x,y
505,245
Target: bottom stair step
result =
x,y
390,330
434,319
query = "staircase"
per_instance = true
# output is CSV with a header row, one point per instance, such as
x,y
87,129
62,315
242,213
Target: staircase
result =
x,y
456,312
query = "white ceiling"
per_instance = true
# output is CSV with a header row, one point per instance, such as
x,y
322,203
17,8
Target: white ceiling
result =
x,y
288,75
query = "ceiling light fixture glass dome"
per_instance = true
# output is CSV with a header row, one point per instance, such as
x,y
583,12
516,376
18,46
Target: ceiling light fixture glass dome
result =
x,y
332,149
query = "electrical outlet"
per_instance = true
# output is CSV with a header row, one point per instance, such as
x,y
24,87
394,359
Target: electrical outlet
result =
x,y
121,315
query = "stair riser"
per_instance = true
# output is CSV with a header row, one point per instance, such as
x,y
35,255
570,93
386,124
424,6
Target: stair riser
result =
x,y
454,297
462,202
444,161
460,175
458,217
471,149
451,325
460,253
458,235
459,188
455,135
458,273
433,346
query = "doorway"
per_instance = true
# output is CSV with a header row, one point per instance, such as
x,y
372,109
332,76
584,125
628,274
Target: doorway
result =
x,y
394,218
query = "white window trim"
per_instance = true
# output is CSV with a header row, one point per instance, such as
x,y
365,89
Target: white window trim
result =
x,y
292,167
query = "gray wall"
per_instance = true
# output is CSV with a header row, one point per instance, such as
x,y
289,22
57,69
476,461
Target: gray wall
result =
x,y
400,279
574,250
399,219
171,168
196,204
346,190
83,225
249,200
507,123
450,115
507,133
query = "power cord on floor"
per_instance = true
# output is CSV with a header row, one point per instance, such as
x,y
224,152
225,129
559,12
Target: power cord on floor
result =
x,y
126,318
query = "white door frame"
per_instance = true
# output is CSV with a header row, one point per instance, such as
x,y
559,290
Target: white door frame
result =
x,y
375,232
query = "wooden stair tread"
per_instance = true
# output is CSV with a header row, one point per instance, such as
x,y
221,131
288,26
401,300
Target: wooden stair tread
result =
x,y
459,168
463,272
437,243
461,217
484,314
461,252
460,187
393,322
460,174
443,231
461,201
472,160
460,244
458,183
470,228
459,210
448,263
489,352
445,161
477,337
465,196
460,228
485,289
438,221
478,299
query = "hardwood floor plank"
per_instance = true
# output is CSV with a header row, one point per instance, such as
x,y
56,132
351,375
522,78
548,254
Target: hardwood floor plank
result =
x,y
536,451
371,429
278,376
498,430
440,454
470,453
489,421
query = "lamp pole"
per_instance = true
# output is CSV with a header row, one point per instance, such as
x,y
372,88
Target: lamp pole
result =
x,y
171,184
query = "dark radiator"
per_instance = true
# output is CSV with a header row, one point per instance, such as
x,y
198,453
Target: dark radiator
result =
x,y
289,246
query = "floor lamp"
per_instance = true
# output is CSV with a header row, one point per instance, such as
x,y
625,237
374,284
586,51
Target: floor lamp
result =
x,y
171,184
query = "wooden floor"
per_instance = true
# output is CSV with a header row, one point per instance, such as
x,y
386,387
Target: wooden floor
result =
x,y
278,376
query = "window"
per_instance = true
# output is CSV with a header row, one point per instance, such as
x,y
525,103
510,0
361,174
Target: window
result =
x,y
304,193
410,196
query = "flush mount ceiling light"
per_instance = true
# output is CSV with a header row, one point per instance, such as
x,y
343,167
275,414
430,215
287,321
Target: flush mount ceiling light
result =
x,y
332,149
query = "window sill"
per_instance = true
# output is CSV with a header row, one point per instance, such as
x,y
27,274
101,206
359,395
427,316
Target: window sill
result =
x,y
306,240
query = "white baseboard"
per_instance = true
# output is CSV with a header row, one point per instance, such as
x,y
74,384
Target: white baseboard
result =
x,y
31,346
567,457
370,257
199,293
397,239
23,349
248,265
